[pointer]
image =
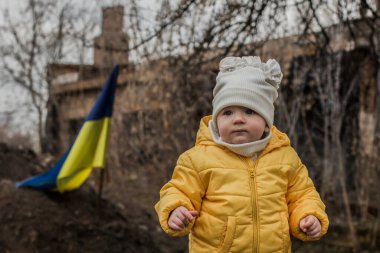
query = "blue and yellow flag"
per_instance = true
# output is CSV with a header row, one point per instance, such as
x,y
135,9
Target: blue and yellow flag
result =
x,y
88,150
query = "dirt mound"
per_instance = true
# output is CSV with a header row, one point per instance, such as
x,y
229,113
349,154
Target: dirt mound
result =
x,y
34,221
17,163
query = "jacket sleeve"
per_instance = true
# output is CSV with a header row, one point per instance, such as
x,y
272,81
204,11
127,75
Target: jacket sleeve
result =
x,y
184,189
303,200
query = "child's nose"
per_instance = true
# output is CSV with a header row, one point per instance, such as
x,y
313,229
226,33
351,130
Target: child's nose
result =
x,y
239,117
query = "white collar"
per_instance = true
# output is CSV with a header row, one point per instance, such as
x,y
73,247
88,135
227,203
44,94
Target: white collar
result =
x,y
249,149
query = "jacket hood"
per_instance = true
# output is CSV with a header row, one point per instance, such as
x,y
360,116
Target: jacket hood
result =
x,y
204,138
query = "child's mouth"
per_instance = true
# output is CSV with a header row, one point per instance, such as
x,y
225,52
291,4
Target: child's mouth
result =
x,y
239,131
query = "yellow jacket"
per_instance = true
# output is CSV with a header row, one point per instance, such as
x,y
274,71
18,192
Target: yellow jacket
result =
x,y
244,205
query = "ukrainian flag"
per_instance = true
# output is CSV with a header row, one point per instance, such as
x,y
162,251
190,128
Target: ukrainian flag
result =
x,y
87,152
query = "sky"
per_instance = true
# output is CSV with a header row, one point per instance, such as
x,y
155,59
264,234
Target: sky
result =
x,y
8,94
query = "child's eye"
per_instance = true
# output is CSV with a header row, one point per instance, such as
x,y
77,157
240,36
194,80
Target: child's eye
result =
x,y
227,112
249,111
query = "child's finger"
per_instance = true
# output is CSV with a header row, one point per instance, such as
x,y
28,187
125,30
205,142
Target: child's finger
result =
x,y
314,234
182,216
186,214
174,226
178,222
303,226
316,229
313,226
194,213
308,222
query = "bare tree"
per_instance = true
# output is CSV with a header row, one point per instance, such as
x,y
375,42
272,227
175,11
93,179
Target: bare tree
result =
x,y
44,32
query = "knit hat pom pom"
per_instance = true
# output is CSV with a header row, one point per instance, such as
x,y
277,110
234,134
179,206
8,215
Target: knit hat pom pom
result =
x,y
273,74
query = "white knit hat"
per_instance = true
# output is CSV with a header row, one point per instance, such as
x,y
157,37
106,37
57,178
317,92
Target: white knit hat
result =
x,y
247,82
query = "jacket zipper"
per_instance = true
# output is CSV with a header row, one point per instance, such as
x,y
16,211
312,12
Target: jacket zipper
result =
x,y
252,169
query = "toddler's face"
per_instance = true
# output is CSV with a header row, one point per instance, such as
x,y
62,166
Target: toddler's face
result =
x,y
237,125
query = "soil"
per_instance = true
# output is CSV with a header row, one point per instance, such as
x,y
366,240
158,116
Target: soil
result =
x,y
77,221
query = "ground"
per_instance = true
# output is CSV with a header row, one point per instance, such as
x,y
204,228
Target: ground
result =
x,y
77,221
34,221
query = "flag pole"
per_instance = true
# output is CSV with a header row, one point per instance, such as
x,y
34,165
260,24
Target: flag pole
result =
x,y
101,180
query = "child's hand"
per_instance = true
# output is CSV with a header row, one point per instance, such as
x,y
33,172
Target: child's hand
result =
x,y
311,226
180,217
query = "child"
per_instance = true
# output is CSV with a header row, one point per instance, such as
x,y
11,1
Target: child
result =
x,y
242,187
